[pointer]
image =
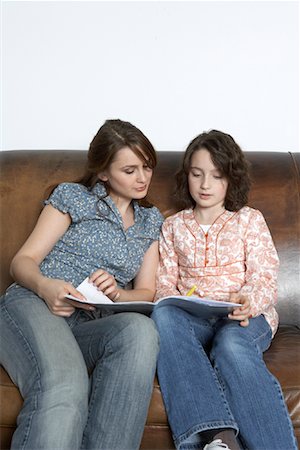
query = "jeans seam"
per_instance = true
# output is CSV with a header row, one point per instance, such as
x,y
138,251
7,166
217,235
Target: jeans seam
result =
x,y
263,336
29,352
212,370
96,384
277,387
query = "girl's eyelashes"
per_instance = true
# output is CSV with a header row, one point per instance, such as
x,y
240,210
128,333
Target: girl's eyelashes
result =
x,y
200,174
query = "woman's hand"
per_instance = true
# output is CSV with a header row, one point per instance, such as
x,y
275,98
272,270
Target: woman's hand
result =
x,y
53,291
106,283
241,313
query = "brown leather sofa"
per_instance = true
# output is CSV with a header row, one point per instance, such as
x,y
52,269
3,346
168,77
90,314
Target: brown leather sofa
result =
x,y
25,176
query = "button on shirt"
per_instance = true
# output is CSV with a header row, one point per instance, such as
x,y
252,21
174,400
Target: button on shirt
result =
x,y
96,238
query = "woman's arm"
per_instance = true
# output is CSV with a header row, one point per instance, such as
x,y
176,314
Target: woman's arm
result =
x,y
144,282
51,225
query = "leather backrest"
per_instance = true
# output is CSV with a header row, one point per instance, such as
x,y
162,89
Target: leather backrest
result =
x,y
26,175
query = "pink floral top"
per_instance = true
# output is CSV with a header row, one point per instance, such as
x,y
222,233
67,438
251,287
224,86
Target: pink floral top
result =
x,y
236,254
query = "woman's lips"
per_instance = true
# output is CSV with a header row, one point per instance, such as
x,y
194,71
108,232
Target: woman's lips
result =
x,y
141,189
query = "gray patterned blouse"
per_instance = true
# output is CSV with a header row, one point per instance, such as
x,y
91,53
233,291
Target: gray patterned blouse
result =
x,y
96,237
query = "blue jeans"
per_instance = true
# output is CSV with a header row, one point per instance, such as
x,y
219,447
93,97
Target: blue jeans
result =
x,y
49,359
213,377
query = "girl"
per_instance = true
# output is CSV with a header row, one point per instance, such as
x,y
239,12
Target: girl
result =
x,y
214,382
104,228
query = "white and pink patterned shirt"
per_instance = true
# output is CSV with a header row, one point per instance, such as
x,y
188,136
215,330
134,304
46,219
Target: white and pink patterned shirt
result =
x,y
237,254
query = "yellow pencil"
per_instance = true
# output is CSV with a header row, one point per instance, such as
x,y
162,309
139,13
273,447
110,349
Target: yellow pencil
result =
x,y
192,290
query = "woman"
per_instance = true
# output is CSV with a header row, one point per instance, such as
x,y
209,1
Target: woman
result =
x,y
104,228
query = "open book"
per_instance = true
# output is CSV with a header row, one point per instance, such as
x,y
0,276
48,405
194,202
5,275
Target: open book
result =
x,y
201,307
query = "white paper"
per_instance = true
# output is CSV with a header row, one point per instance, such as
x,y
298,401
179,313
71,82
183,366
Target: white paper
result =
x,y
91,293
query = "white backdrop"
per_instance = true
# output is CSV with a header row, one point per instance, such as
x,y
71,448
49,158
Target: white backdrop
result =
x,y
173,69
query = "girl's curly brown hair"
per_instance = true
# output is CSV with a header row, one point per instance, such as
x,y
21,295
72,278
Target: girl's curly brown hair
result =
x,y
228,158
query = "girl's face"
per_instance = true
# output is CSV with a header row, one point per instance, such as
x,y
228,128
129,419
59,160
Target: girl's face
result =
x,y
128,176
206,184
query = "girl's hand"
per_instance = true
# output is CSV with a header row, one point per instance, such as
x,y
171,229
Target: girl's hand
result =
x,y
53,291
241,313
105,283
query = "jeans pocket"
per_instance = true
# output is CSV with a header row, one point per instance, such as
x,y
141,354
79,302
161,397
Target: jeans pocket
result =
x,y
13,285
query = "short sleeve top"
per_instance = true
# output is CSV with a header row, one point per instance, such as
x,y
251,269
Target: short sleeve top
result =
x,y
96,238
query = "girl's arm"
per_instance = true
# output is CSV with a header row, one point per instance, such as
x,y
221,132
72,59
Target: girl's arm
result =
x,y
51,225
144,282
262,266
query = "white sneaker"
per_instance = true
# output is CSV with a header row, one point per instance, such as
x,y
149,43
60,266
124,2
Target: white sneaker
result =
x,y
217,444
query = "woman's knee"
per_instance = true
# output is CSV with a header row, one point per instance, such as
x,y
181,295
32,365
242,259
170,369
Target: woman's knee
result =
x,y
54,378
70,393
141,332
40,353
137,341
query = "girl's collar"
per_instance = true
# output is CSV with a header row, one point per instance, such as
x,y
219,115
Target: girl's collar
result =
x,y
194,226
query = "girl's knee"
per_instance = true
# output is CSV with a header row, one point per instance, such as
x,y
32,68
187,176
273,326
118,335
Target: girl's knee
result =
x,y
166,316
229,344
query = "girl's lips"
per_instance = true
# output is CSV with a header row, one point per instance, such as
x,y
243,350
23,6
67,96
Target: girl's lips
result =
x,y
205,196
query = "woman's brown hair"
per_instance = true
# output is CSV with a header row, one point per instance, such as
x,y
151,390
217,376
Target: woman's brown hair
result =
x,y
110,138
229,159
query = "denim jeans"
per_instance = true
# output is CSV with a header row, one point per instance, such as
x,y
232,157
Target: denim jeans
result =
x,y
213,377
50,361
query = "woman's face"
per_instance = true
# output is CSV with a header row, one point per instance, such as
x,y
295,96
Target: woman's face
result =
x,y
128,176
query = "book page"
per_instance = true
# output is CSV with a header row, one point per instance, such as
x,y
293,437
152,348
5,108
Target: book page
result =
x,y
91,293
198,300
201,307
